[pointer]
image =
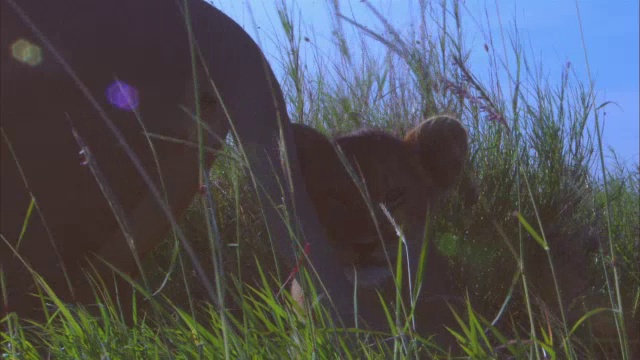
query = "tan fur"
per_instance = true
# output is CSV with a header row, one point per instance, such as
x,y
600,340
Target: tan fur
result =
x,y
407,176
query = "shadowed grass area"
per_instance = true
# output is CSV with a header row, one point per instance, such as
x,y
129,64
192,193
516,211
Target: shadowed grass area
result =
x,y
547,257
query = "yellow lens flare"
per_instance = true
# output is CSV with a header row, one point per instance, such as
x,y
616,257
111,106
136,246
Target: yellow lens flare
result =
x,y
26,52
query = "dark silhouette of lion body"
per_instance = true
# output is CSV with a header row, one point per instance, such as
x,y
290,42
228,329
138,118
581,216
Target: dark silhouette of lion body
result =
x,y
80,63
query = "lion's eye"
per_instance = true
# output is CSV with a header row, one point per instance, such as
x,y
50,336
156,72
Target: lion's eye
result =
x,y
394,197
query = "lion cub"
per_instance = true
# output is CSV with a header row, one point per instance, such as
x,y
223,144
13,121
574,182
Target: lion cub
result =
x,y
369,185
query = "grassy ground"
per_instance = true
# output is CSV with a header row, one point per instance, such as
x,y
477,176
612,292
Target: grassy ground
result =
x,y
550,217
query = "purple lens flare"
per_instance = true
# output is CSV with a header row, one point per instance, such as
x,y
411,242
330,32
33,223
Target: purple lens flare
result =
x,y
123,95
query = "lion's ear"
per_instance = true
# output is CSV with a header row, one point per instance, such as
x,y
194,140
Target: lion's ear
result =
x,y
311,145
442,144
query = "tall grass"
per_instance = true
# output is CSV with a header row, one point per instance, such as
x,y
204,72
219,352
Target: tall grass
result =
x,y
550,246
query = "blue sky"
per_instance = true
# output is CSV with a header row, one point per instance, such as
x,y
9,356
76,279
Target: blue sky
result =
x,y
549,30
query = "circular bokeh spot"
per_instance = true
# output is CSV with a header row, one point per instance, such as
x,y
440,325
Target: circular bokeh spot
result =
x,y
448,244
123,95
26,52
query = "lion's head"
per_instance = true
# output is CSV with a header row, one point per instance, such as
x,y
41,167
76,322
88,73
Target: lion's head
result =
x,y
364,182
